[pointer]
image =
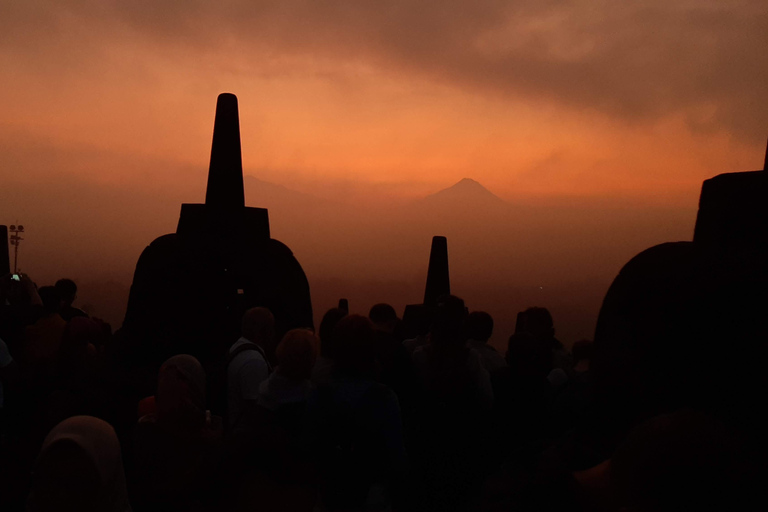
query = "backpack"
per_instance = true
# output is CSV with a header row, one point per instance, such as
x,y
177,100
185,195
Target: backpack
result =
x,y
217,381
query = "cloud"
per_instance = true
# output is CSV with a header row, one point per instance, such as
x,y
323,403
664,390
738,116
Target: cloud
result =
x,y
633,60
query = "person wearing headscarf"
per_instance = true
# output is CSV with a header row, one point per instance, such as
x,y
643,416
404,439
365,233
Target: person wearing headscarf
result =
x,y
80,467
290,382
181,394
177,447
264,461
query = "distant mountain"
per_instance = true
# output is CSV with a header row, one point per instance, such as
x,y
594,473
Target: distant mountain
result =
x,y
263,194
465,193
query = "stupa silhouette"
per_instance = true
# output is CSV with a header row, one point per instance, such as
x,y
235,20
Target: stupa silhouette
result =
x,y
190,288
684,323
417,317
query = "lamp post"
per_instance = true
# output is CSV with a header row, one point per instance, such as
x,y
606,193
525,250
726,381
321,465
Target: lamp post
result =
x,y
15,240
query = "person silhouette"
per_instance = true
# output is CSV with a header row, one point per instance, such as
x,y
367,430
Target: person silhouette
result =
x,y
479,331
324,366
68,293
177,447
249,365
394,363
80,467
355,426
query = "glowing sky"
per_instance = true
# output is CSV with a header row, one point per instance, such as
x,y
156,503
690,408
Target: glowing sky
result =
x,y
602,98
602,116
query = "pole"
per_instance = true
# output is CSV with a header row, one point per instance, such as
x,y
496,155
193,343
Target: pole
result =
x,y
15,240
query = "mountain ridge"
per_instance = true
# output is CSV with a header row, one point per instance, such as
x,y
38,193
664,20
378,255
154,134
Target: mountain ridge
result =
x,y
464,191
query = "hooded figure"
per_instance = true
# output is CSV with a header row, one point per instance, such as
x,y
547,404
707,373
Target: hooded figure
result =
x,y
176,448
181,394
80,467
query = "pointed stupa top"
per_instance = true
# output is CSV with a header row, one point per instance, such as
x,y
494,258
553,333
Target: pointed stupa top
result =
x,y
225,174
438,280
765,163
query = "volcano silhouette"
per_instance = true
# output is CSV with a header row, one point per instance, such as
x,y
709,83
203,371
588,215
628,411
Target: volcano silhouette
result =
x,y
465,196
465,190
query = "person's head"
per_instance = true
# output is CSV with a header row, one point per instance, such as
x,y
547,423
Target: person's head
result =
x,y
67,291
383,317
537,322
81,336
356,352
180,395
51,299
581,351
417,320
296,354
526,354
258,326
479,326
79,468
448,325
327,325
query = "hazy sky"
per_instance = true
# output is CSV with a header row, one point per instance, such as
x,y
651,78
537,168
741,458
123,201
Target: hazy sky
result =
x,y
533,97
611,112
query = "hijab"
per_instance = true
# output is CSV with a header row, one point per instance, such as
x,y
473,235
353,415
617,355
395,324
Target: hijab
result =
x,y
180,395
80,467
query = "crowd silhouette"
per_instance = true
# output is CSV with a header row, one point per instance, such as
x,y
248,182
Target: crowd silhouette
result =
x,y
351,419
223,396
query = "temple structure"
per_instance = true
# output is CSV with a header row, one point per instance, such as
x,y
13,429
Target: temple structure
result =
x,y
417,317
684,323
733,213
190,288
438,277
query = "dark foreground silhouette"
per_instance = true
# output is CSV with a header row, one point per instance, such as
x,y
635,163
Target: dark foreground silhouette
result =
x,y
213,399
191,287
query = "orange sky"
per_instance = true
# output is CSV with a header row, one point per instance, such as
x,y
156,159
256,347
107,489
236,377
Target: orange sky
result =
x,y
540,98
596,121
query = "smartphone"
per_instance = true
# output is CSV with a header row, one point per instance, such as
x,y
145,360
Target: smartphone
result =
x,y
16,277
